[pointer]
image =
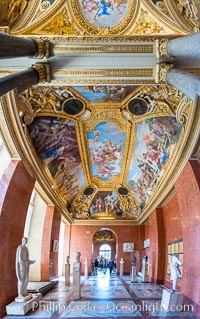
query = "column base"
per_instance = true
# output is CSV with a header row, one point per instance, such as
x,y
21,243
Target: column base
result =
x,y
171,301
21,308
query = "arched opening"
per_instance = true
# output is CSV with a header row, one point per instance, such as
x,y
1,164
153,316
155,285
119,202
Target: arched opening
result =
x,y
105,251
105,244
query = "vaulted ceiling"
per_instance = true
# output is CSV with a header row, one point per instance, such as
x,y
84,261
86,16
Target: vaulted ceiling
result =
x,y
104,139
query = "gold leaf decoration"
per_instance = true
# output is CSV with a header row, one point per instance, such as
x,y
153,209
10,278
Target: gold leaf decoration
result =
x,y
61,24
146,24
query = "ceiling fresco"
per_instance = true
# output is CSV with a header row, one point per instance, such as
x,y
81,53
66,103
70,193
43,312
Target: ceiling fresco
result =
x,y
56,145
105,93
106,146
106,138
156,140
103,13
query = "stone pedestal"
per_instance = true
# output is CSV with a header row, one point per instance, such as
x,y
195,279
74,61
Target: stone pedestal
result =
x,y
21,308
145,273
171,302
121,270
76,279
67,274
134,274
86,268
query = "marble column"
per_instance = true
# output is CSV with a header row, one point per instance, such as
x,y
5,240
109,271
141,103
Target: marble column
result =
x,y
187,46
25,79
186,82
12,46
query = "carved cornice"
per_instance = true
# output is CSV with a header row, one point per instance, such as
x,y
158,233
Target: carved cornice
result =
x,y
93,49
161,72
43,48
107,73
161,49
43,70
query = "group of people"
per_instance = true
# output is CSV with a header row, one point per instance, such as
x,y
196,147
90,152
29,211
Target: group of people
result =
x,y
103,264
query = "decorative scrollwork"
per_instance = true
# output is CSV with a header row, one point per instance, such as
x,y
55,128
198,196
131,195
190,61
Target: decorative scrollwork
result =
x,y
188,9
80,207
181,113
161,49
161,71
146,24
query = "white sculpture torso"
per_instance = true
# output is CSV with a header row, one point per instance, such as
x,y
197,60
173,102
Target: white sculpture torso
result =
x,y
22,268
175,272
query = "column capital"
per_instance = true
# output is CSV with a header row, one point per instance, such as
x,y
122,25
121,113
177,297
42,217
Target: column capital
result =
x,y
43,70
161,49
161,72
43,48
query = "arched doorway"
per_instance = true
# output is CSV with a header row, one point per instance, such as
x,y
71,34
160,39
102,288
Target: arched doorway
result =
x,y
105,244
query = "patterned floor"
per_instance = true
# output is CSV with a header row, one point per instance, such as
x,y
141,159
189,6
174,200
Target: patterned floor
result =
x,y
104,296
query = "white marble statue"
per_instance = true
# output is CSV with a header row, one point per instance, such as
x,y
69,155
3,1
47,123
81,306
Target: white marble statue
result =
x,y
22,270
175,272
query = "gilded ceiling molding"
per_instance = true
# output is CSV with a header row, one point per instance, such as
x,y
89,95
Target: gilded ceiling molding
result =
x,y
93,49
107,39
4,128
69,82
183,12
107,73
23,18
98,222
165,16
161,72
182,112
183,151
40,21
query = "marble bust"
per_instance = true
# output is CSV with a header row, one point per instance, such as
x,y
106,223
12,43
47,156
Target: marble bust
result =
x,y
22,270
77,257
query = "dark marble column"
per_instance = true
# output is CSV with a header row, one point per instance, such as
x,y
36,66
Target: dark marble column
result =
x,y
23,80
20,81
12,46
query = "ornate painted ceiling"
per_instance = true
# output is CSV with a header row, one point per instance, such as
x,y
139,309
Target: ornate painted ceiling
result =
x,y
105,142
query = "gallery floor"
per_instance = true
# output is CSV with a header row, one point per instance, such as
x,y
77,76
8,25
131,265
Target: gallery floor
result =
x,y
104,296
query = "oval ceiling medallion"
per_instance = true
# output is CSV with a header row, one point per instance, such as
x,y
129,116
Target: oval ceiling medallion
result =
x,y
73,106
88,191
123,191
104,13
138,106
